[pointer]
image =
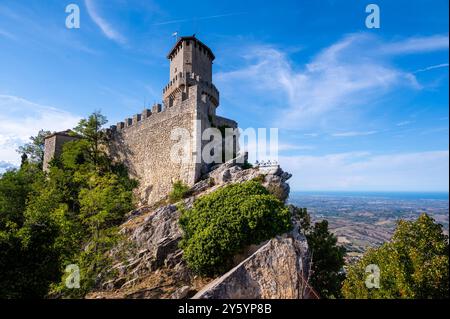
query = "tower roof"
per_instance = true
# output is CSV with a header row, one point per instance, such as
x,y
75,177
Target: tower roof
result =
x,y
195,40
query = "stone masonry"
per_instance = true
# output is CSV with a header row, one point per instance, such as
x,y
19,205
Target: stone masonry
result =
x,y
143,142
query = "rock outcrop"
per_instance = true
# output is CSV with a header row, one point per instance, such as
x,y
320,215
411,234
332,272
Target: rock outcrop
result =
x,y
277,270
154,268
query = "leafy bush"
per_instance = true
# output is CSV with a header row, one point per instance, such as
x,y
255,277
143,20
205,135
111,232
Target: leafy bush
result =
x,y
179,191
414,264
220,224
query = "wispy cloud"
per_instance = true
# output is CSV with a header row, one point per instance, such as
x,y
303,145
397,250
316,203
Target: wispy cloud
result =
x,y
22,118
199,19
104,25
421,171
343,76
311,134
417,45
353,133
432,67
7,35
404,123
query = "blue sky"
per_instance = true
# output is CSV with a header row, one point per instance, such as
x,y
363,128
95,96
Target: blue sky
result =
x,y
357,108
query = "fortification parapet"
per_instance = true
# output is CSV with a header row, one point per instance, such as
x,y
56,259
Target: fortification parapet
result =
x,y
183,80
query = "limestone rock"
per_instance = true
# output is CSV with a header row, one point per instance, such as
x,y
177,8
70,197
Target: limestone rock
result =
x,y
181,293
154,267
158,237
279,269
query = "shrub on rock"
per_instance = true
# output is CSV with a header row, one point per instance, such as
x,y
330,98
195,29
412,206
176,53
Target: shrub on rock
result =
x,y
220,224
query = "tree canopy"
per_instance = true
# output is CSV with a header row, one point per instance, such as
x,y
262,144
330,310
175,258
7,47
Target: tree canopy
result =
x,y
67,216
414,264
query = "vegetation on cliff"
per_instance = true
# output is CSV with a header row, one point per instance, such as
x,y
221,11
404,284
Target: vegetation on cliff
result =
x,y
220,224
414,264
327,257
68,216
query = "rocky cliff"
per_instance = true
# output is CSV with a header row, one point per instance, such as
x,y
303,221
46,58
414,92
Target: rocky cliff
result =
x,y
150,265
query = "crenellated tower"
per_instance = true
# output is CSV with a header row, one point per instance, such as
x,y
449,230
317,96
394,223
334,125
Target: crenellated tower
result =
x,y
144,142
190,64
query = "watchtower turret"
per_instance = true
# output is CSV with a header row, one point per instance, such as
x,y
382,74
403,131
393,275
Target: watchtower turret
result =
x,y
190,64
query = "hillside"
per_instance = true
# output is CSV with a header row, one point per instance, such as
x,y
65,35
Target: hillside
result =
x,y
154,267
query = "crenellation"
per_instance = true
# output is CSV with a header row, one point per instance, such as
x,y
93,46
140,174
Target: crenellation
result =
x,y
156,108
146,113
143,142
136,118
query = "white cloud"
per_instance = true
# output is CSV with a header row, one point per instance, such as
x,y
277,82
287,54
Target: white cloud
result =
x,y
403,123
432,67
21,119
353,133
417,45
104,25
311,134
421,171
345,76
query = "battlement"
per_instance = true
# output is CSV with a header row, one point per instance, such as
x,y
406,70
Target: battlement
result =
x,y
137,118
143,142
183,80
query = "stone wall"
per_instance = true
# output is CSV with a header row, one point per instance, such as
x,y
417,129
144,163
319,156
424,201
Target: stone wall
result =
x,y
53,146
144,144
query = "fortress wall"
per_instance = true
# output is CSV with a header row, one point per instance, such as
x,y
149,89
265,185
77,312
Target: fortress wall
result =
x,y
144,146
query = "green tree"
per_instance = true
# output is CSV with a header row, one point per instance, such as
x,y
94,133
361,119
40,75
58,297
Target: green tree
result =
x,y
327,261
414,264
90,130
35,149
68,216
28,262
327,257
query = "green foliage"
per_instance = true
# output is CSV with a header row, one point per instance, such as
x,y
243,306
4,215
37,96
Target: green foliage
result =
x,y
15,186
260,178
90,130
34,150
327,261
70,217
179,191
414,264
220,224
28,262
327,257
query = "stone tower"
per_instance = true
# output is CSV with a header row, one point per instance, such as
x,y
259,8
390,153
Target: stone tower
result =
x,y
190,64
144,142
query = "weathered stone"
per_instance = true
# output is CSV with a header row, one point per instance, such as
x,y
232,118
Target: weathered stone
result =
x,y
181,293
279,269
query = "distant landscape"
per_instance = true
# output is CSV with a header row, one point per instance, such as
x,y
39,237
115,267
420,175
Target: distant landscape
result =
x,y
362,220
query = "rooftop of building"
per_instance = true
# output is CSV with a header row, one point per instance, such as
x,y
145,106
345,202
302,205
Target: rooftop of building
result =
x,y
195,40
